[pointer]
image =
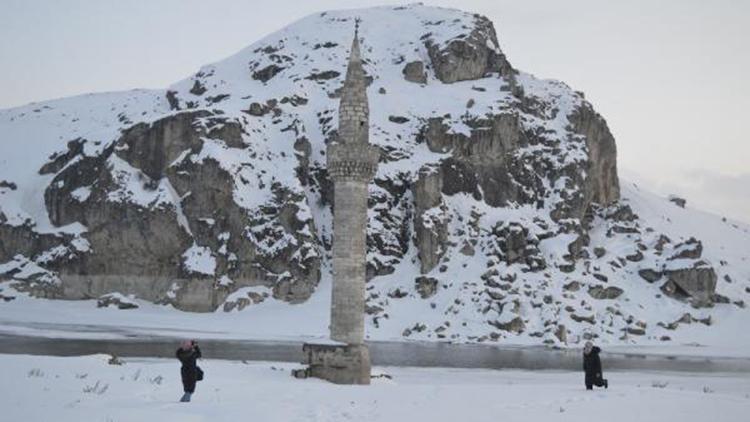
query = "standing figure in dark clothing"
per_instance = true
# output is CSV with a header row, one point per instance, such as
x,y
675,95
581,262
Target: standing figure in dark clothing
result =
x,y
187,354
592,366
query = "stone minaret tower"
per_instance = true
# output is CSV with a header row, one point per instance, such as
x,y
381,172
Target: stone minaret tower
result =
x,y
352,162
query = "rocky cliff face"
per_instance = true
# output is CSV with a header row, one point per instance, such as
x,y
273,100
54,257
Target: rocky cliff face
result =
x,y
496,203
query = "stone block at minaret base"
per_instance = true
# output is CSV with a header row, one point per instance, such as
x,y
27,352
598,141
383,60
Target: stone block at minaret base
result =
x,y
337,363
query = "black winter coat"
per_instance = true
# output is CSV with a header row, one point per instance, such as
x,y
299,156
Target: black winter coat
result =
x,y
188,357
592,365
189,370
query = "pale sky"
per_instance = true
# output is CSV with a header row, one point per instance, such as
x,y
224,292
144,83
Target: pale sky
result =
x,y
672,77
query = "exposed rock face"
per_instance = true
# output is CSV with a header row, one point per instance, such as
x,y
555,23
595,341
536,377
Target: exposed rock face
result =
x,y
480,165
602,186
470,57
193,202
430,221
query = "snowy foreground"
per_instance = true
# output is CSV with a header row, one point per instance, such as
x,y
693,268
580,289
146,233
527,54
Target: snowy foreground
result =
x,y
86,388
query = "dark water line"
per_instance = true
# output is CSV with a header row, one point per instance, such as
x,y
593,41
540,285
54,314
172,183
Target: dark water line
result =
x,y
382,354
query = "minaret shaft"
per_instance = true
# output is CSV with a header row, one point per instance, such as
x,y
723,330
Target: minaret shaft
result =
x,y
349,262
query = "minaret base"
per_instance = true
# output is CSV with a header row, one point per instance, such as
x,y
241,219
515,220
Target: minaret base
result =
x,y
337,363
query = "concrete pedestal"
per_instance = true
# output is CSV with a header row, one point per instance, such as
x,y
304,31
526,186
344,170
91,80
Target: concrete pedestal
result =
x,y
339,364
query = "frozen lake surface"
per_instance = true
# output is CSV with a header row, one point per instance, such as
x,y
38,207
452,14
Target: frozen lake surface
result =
x,y
402,354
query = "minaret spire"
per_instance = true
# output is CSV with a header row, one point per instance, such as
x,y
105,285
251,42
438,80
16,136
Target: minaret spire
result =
x,y
354,112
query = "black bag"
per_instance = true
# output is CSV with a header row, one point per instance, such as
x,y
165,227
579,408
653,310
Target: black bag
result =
x,y
198,373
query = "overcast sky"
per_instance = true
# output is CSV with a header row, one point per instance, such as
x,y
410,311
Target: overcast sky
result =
x,y
672,78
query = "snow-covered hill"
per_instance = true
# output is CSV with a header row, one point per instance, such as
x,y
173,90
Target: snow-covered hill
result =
x,y
496,213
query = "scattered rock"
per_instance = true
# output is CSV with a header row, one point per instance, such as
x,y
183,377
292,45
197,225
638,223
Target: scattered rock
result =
x,y
8,185
467,249
649,275
253,298
567,267
599,252
397,119
426,286
636,331
635,257
198,88
174,102
663,240
257,109
495,295
268,72
300,373
605,293
397,294
114,360
680,202
698,283
414,72
622,213
718,298
373,310
516,325
116,299
689,249
573,286
294,100
323,76
579,318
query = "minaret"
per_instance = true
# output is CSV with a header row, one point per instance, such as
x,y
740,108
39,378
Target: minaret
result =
x,y
352,163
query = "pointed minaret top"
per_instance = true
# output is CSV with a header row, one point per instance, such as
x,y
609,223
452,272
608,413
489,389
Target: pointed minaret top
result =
x,y
354,54
353,108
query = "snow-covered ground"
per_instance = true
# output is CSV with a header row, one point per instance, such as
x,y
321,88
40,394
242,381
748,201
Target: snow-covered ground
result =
x,y
88,389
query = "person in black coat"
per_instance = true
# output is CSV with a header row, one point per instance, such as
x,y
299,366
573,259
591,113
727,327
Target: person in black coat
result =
x,y
592,366
187,354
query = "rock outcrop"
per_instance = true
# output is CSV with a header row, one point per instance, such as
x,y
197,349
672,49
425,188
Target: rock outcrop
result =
x,y
496,209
